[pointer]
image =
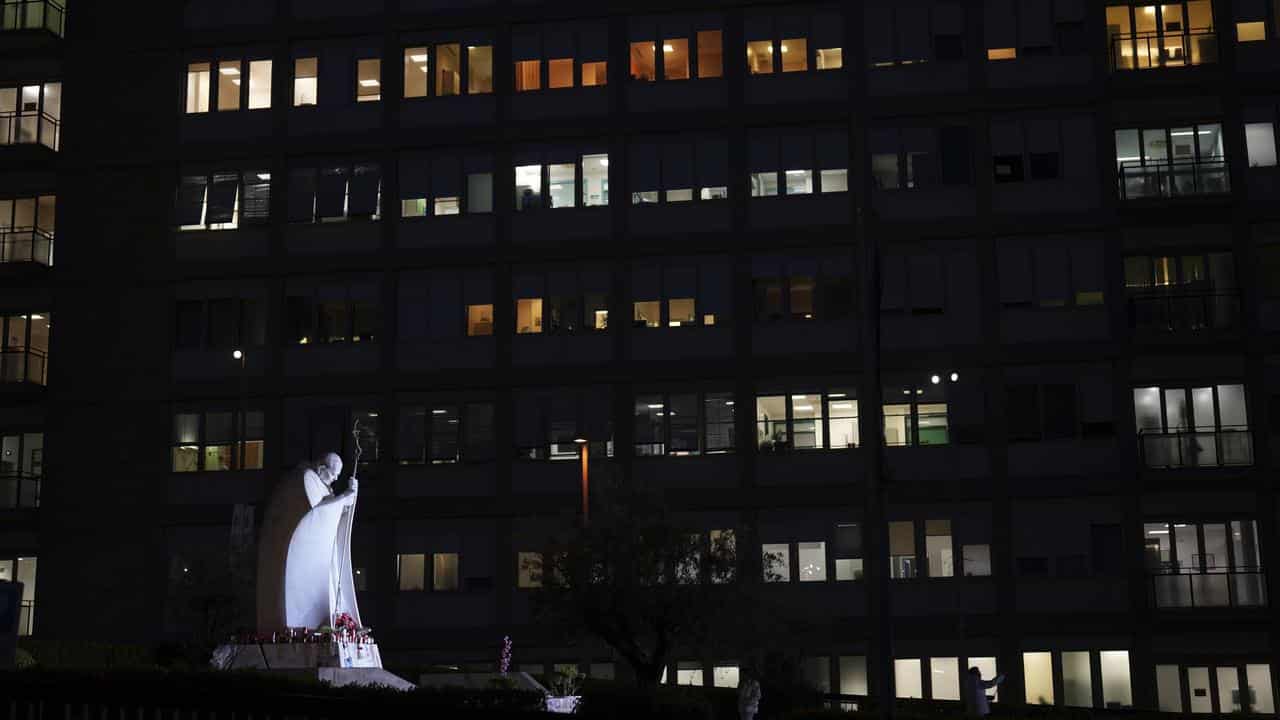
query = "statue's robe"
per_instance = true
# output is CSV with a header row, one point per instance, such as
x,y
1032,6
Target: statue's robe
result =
x,y
304,556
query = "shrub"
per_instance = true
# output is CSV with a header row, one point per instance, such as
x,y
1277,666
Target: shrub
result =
x,y
620,702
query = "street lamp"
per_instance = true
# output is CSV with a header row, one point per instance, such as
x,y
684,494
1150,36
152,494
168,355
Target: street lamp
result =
x,y
585,450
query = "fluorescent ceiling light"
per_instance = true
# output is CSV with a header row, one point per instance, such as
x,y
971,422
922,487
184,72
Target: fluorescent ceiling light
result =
x,y
803,408
666,47
439,412
418,58
842,406
368,83
655,407
264,176
229,70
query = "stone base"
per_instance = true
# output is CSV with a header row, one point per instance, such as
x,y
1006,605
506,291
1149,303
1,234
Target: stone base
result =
x,y
318,660
339,677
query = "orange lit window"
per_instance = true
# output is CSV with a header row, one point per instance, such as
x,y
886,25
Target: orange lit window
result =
x,y
560,73
528,75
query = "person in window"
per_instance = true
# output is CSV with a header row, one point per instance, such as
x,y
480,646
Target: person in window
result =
x,y
748,694
528,199
976,702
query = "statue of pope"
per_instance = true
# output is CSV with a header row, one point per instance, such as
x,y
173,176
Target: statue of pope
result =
x,y
304,553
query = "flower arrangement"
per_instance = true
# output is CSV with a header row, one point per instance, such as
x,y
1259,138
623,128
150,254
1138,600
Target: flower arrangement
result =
x,y
504,659
344,629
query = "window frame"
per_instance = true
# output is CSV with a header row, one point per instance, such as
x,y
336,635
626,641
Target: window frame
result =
x,y
463,454
44,122
700,399
238,219
41,239
316,170
544,169
825,398
242,420
351,309
242,88
243,336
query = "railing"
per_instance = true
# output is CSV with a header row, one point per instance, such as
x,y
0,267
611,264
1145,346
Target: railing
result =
x,y
1176,178
26,244
33,15
24,365
1184,312
1227,446
19,490
23,128
1215,587
1148,50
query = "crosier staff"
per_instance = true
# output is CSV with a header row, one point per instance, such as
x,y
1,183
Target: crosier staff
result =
x,y
343,546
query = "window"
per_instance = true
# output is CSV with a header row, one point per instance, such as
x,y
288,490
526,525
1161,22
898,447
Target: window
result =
x,y
224,200
21,470
1037,671
913,284
305,81
1145,36
331,314
817,420
220,323
1193,426
445,433
562,302
33,15
529,569
1205,564
679,170
976,560
259,84
902,36
24,354
444,572
678,295
573,53
1260,141
1255,31
939,553
198,89
31,114
784,163
1177,293
479,69
794,43
914,158
1171,162
1042,412
908,681
916,415
448,75
1017,29
335,193
1026,151
561,180
686,54
411,572
801,290
438,185
445,305
903,563
1051,275
368,80
27,228
775,558
812,559
451,77
548,422
217,440
847,550
684,424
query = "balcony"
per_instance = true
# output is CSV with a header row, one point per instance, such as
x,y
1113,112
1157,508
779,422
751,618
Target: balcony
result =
x,y
29,128
33,15
19,491
26,245
1215,587
1152,50
1184,312
1173,179
1227,446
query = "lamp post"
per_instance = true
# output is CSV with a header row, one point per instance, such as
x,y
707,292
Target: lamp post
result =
x,y
584,449
241,422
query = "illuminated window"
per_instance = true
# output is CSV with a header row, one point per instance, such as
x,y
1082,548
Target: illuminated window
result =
x,y
27,229
848,552
643,65
647,313
448,69
229,85
259,84
1037,671
416,70
902,550
788,163
444,572
198,88
528,570
1251,31
595,73
939,553
710,54
368,80
795,54
528,74
479,320
528,315
801,421
1260,143
560,73
829,59
776,561
479,69
675,59
223,200
760,57
812,561
1002,54
411,572
213,441
305,79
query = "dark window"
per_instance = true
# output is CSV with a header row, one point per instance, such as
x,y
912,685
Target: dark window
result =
x,y
948,47
1106,548
189,319
954,151
1033,566
1044,166
1008,168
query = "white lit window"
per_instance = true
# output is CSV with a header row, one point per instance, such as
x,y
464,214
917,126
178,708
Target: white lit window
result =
x,y
776,561
198,88
305,81
1260,139
812,557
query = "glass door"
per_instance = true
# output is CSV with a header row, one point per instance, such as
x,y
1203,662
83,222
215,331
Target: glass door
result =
x,y
1173,27
1198,689
1145,36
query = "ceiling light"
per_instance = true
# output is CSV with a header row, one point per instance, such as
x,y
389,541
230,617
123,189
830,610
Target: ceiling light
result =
x,y
935,379
418,58
666,47
229,70
842,406
37,316
955,377
836,395
236,81
604,161
798,397
368,83
728,403
784,48
803,408
439,412
264,176
655,407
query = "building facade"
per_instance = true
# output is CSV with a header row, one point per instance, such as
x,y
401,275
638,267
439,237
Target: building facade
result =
x,y
1047,226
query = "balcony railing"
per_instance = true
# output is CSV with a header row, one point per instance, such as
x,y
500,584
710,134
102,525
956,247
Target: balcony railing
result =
x,y
1228,446
28,128
1215,587
1149,50
26,244
33,15
1184,312
1177,178
19,490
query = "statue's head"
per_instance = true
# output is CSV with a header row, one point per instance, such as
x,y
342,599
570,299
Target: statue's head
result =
x,y
329,468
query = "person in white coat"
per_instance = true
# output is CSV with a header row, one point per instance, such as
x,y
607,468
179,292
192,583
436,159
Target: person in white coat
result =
x,y
975,693
748,695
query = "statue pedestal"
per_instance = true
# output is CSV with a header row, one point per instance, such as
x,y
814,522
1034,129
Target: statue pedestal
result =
x,y
337,663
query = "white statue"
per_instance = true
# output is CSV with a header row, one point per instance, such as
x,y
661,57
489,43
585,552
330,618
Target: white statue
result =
x,y
304,553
